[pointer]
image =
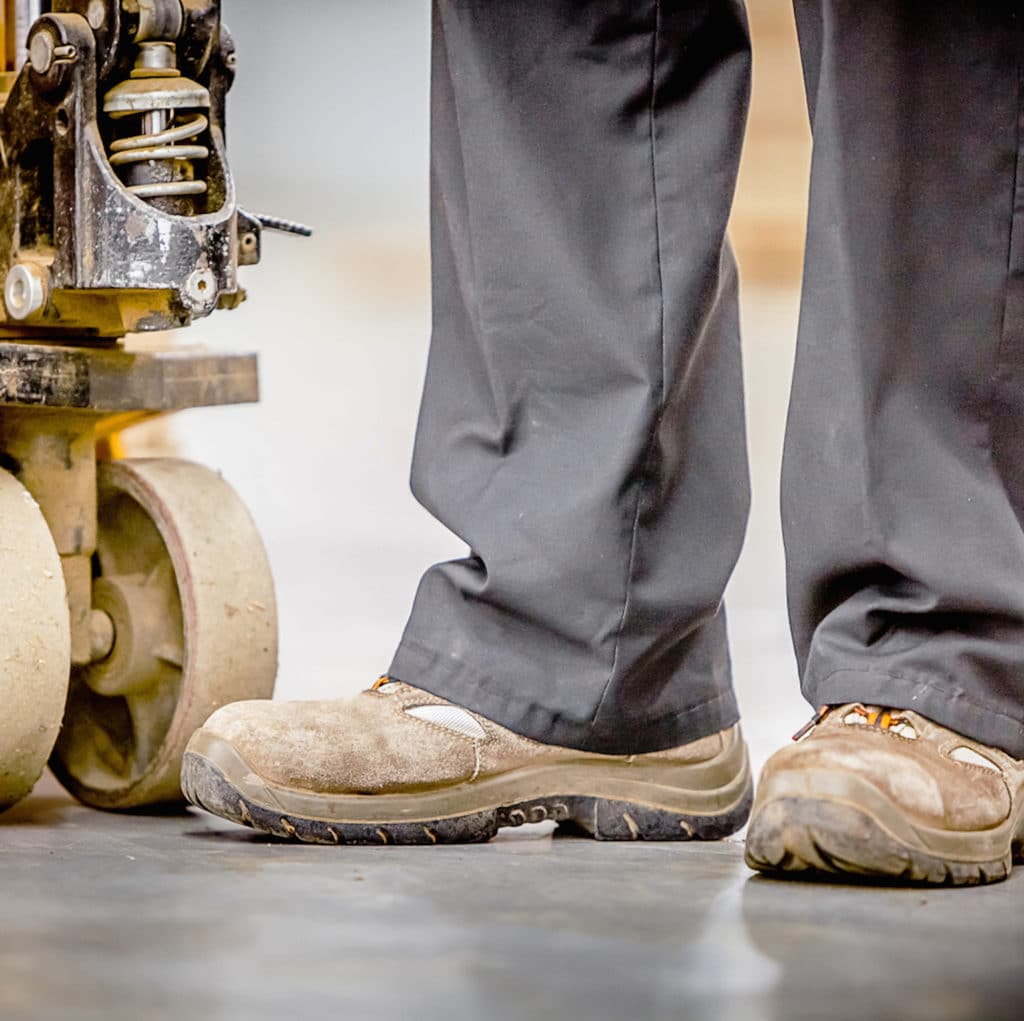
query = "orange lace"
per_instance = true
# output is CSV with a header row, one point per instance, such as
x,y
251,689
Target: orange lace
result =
x,y
884,719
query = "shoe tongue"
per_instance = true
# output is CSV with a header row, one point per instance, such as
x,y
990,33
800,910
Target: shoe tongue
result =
x,y
862,708
899,721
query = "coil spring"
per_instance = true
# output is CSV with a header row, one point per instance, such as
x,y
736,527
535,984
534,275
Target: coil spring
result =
x,y
163,146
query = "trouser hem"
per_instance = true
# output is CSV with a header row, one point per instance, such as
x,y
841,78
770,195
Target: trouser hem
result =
x,y
473,689
944,704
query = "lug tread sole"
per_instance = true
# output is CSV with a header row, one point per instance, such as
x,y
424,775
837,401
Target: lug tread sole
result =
x,y
206,787
812,836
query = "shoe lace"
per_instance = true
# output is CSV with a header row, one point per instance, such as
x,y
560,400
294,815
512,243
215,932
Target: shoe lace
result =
x,y
860,715
818,717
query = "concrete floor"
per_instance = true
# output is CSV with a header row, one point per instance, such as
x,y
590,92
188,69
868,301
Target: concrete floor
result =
x,y
112,917
107,917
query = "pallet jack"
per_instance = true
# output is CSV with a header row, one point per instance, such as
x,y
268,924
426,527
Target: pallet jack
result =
x,y
135,596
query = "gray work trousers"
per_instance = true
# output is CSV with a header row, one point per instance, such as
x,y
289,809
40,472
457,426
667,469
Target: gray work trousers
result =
x,y
582,426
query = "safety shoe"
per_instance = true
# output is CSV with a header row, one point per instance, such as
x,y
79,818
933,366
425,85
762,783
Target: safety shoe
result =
x,y
396,765
878,792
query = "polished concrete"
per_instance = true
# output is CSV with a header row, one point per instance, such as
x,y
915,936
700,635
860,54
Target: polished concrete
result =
x,y
108,917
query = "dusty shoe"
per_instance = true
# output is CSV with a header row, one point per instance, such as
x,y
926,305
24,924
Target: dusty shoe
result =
x,y
397,765
886,793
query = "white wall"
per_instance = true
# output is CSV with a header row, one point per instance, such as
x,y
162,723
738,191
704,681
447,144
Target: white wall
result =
x,y
328,116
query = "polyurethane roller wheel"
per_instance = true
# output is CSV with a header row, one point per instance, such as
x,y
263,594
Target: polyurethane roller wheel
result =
x,y
35,642
182,573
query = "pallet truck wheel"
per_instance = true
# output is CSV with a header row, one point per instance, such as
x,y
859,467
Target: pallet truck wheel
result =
x,y
182,575
35,642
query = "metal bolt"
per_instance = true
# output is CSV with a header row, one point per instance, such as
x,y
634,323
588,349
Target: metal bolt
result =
x,y
44,52
101,634
40,52
97,14
25,291
157,56
201,288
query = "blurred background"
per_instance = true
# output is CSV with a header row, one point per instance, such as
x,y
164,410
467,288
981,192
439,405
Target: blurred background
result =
x,y
328,123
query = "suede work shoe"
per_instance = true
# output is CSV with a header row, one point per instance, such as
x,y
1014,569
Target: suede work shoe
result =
x,y
875,792
396,765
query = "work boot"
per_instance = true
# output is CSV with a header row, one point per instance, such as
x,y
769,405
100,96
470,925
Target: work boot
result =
x,y
396,765
876,792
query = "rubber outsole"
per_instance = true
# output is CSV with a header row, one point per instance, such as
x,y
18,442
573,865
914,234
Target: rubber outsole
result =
x,y
206,787
807,836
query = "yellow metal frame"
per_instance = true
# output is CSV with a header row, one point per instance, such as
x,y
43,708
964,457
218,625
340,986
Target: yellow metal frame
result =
x,y
110,431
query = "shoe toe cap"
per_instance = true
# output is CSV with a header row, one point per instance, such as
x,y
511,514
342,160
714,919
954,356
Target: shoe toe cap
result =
x,y
924,784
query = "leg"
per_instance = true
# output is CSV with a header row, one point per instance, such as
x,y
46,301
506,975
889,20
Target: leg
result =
x,y
903,489
582,425
582,430
904,476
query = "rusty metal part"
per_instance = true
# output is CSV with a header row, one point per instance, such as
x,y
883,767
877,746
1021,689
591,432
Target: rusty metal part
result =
x,y
283,226
157,19
159,164
115,190
119,215
120,25
115,381
115,186
44,52
148,92
184,579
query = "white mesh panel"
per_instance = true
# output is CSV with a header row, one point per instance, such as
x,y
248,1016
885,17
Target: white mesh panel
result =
x,y
451,718
972,758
